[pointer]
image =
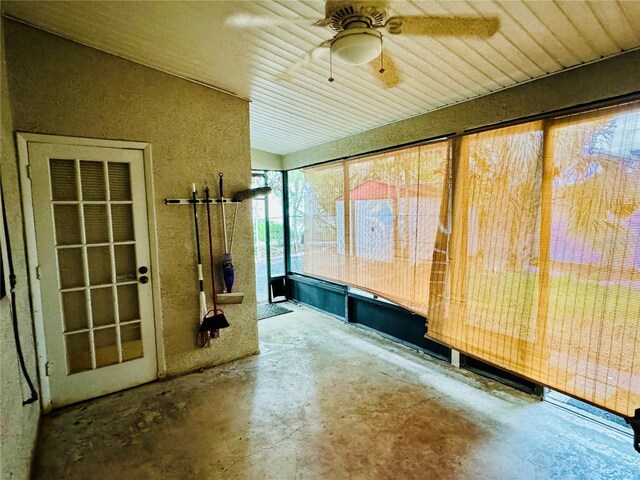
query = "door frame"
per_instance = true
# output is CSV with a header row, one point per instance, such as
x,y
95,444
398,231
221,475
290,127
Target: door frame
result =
x,y
22,141
263,175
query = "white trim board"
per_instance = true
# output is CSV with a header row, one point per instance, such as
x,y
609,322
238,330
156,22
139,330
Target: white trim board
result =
x,y
90,142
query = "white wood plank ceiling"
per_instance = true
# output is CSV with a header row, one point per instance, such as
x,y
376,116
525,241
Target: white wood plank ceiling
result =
x,y
193,40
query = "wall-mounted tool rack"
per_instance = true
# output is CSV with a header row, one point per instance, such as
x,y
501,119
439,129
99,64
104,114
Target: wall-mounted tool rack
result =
x,y
227,298
188,201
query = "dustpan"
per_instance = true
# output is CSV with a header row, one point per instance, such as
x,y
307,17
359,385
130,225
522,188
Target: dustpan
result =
x,y
214,320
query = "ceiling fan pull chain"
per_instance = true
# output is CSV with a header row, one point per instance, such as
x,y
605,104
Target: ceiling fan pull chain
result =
x,y
381,57
331,79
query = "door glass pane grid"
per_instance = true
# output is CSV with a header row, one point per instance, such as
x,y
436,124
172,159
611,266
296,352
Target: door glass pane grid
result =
x,y
74,308
113,345
131,340
100,327
119,181
79,358
99,244
128,302
99,186
107,346
92,202
93,181
118,344
88,344
67,224
87,281
63,175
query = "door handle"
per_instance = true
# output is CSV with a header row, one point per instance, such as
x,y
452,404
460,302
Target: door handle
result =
x,y
144,279
143,270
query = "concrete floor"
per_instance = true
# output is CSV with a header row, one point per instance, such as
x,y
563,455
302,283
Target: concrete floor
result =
x,y
327,400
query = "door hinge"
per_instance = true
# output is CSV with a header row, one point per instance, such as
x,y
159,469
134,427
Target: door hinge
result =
x,y
46,369
29,171
38,272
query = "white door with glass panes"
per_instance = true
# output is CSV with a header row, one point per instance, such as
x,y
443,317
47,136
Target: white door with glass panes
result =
x,y
93,257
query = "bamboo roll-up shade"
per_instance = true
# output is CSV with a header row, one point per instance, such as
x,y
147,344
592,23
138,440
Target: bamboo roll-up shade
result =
x,y
324,247
493,254
543,263
394,211
590,324
372,222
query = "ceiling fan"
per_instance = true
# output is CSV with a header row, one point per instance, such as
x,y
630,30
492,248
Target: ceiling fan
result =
x,y
357,27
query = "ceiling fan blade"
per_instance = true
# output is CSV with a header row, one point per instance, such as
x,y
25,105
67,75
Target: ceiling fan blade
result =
x,y
308,58
458,26
247,20
390,77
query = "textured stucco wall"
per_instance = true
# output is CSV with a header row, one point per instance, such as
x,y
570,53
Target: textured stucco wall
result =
x,y
261,160
18,423
601,80
63,88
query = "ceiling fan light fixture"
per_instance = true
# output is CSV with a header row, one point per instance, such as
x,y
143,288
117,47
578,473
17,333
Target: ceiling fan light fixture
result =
x,y
356,46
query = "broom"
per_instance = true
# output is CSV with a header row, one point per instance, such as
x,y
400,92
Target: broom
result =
x,y
204,340
251,193
214,320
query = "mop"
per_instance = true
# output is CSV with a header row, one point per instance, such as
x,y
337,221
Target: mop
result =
x,y
228,272
227,260
214,319
204,339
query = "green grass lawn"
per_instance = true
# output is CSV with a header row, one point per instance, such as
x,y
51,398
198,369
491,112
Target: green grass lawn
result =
x,y
584,317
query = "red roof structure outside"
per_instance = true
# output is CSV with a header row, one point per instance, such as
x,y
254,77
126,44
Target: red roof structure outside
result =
x,y
375,190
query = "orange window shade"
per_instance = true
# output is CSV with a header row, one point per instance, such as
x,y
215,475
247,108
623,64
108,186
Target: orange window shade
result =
x,y
394,208
543,263
592,222
383,241
491,292
324,252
